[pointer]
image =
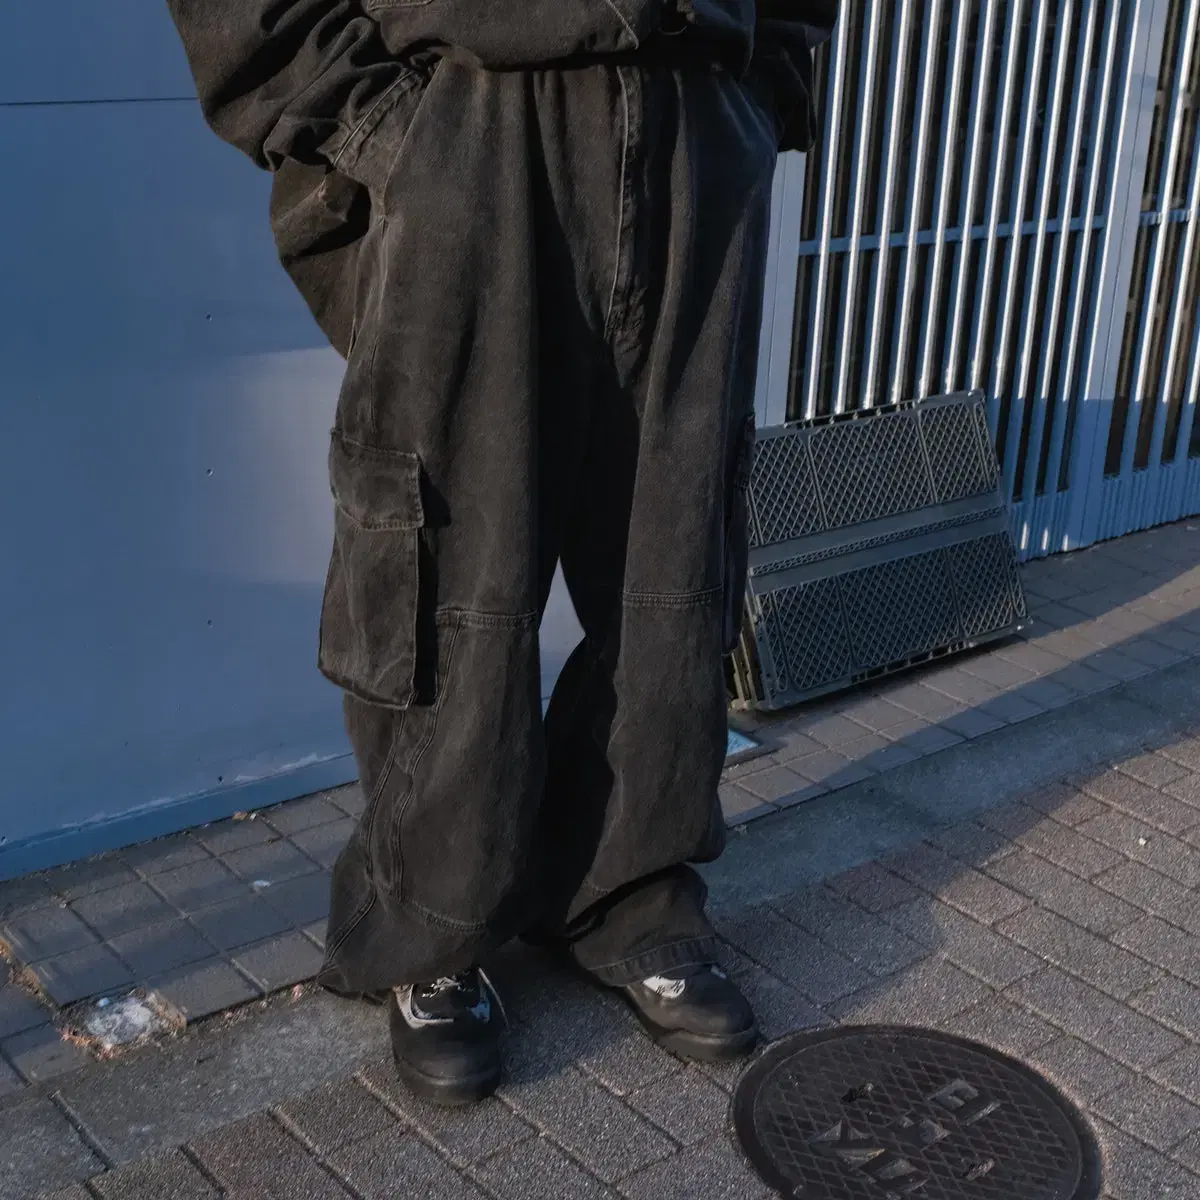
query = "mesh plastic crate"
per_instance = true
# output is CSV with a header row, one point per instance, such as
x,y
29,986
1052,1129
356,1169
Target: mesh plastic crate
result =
x,y
878,541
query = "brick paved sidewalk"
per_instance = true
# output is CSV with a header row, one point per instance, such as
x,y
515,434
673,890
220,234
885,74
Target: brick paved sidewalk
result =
x,y
1035,889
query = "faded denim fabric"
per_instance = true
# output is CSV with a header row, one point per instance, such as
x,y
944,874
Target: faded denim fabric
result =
x,y
547,282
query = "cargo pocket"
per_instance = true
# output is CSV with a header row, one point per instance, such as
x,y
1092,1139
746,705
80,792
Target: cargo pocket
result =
x,y
737,540
369,616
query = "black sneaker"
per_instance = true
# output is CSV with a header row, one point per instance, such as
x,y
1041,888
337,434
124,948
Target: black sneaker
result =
x,y
695,1012
446,1038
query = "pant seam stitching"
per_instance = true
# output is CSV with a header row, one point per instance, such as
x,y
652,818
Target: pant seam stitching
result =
x,y
625,143
699,939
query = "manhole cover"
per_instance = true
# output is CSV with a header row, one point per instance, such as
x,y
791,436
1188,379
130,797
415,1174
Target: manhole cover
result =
x,y
883,1113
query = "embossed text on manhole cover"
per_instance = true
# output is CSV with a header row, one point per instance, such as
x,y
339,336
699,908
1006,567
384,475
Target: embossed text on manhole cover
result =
x,y
888,1113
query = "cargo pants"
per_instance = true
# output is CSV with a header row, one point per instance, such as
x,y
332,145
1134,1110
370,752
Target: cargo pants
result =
x,y
551,358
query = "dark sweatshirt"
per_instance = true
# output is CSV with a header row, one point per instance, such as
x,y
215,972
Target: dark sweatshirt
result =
x,y
291,79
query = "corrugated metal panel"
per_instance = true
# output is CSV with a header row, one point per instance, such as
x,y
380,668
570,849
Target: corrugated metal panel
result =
x,y
972,220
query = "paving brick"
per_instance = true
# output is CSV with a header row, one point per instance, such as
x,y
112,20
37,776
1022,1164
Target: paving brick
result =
x,y
200,885
223,837
873,887
168,1177
19,1010
161,948
1002,672
688,1106
337,1114
1158,894
958,685
164,854
280,961
1186,789
297,815
92,971
972,844
1091,958
740,806
779,1007
829,769
302,901
864,938
39,933
1048,694
875,713
198,990
42,1053
324,843
1173,1002
1150,1112
1145,844
467,1135
831,729
20,895
1095,1018
1080,1069
1000,1023
608,1138
239,923
1181,1071
271,862
1188,1154
798,958
791,742
773,784
1167,946
536,1169
716,1172
1154,770
971,723
40,1150
255,1157
10,1081
1063,893
923,701
922,738
75,1192
122,909
350,800
1068,849
1143,803
970,891
316,933
947,932
1186,752
91,875
935,989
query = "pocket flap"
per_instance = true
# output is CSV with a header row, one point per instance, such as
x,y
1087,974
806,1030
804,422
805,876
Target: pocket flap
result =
x,y
378,489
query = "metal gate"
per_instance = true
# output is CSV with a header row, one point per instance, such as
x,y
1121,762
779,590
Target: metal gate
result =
x,y
1006,198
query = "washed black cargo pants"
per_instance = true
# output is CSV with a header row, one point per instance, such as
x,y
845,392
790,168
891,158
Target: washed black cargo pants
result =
x,y
553,349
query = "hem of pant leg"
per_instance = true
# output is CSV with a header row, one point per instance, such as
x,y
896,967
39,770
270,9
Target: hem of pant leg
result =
x,y
691,952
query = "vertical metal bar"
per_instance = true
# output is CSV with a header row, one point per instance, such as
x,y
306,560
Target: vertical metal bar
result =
x,y
925,384
889,195
779,298
1079,284
863,171
928,79
1186,51
1136,117
1024,171
1187,416
974,174
985,277
1033,315
1051,406
842,41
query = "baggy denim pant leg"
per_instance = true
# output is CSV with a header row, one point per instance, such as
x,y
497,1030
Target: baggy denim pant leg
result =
x,y
554,349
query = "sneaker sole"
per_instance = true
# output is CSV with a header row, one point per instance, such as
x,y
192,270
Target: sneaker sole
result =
x,y
699,1047
447,1093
